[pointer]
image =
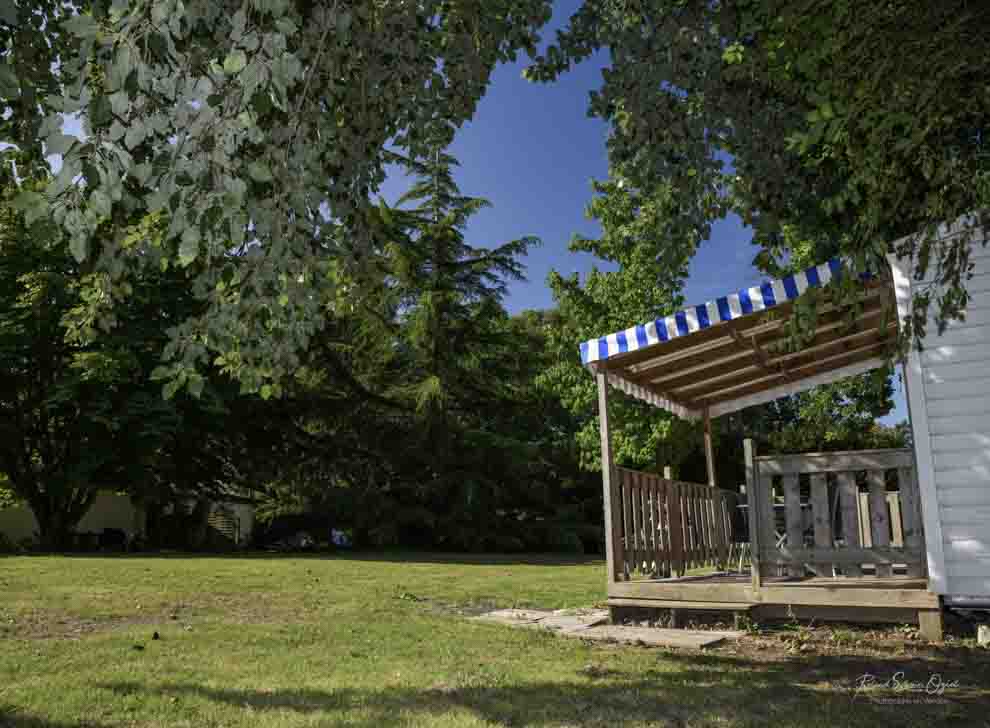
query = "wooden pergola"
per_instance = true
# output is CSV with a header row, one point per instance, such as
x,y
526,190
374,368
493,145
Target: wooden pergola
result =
x,y
721,357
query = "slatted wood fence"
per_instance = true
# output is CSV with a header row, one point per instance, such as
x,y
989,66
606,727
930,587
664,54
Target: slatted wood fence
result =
x,y
670,526
837,514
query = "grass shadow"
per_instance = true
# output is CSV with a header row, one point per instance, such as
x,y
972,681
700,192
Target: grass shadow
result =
x,y
12,718
684,689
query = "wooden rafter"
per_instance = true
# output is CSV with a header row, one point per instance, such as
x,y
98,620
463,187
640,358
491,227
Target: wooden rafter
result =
x,y
722,349
761,356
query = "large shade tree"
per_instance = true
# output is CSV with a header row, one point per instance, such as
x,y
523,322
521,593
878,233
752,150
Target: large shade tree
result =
x,y
856,121
260,126
77,416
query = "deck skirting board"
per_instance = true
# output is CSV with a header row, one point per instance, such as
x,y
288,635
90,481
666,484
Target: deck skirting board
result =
x,y
839,595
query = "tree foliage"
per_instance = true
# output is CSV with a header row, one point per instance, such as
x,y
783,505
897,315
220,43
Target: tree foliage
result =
x,y
77,417
856,122
638,229
260,127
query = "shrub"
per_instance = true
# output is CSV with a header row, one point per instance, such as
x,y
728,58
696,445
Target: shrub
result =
x,y
564,541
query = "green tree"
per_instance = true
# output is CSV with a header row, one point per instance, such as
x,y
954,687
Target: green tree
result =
x,y
77,417
258,125
641,237
460,369
856,122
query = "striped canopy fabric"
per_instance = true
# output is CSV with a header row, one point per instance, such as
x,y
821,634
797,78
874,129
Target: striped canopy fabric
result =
x,y
712,313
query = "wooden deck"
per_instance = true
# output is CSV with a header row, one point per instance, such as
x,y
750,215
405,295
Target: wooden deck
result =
x,y
857,599
892,592
832,536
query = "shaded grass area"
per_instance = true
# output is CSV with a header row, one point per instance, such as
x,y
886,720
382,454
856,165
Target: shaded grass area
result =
x,y
371,641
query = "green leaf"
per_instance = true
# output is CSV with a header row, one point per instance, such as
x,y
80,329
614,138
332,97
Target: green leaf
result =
x,y
119,103
9,84
169,390
81,26
235,62
260,172
100,203
59,143
135,135
285,26
160,373
79,247
141,172
118,8
195,385
238,23
32,204
189,247
266,391
385,212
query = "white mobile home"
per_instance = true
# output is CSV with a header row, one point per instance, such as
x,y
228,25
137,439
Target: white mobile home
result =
x,y
948,387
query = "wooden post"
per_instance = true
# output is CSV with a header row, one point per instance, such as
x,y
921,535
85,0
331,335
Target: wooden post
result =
x,y
930,624
674,523
879,516
752,511
911,515
794,521
709,451
613,516
822,518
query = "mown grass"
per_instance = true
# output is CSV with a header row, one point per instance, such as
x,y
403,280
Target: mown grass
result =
x,y
384,640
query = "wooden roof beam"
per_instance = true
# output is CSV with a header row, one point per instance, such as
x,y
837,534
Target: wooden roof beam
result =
x,y
728,362
872,350
771,318
662,365
761,356
731,375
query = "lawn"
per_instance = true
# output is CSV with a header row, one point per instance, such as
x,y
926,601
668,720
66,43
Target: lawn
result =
x,y
385,640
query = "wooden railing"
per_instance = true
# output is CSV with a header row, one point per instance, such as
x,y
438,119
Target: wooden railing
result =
x,y
835,514
668,526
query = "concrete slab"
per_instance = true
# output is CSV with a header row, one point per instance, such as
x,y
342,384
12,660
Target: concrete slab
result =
x,y
656,637
568,623
515,616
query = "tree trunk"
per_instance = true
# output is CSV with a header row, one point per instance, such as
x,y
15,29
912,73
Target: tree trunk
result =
x,y
55,529
200,516
58,517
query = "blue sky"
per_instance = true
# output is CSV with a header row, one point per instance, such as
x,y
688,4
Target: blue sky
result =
x,y
532,150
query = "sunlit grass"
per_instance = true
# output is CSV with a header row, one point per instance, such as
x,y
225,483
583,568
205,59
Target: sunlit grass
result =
x,y
378,641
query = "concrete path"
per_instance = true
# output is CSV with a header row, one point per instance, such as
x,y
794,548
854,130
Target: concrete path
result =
x,y
590,624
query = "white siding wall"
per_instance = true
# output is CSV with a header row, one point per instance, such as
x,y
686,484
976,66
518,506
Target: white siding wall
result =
x,y
953,376
109,510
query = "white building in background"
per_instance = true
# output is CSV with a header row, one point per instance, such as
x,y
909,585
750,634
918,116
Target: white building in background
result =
x,y
234,519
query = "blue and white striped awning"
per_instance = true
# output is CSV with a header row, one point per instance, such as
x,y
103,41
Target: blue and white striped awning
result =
x,y
721,310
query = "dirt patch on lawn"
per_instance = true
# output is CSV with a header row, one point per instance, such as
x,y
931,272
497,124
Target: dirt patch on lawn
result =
x,y
55,623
